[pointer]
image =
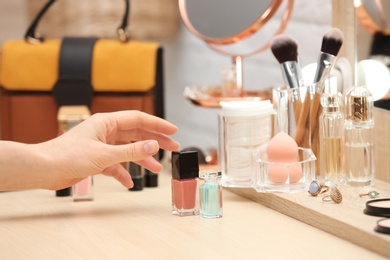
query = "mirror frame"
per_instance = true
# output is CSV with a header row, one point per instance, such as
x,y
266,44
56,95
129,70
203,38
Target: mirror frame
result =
x,y
366,20
249,31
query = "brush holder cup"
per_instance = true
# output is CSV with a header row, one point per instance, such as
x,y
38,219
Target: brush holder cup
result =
x,y
285,177
244,129
293,113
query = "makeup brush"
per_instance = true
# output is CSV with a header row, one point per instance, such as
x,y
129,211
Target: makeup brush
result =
x,y
285,50
331,44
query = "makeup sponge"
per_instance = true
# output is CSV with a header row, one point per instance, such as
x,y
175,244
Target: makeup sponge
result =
x,y
282,148
282,152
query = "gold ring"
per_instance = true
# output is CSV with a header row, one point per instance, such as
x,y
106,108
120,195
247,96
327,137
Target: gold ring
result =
x,y
335,196
316,188
372,194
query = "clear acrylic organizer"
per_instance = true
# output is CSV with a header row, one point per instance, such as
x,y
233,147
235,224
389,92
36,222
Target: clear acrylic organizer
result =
x,y
285,177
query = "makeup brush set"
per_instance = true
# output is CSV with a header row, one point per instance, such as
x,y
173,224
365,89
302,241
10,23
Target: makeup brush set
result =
x,y
306,110
315,115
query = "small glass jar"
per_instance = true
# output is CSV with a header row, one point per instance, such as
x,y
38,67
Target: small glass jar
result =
x,y
229,86
210,194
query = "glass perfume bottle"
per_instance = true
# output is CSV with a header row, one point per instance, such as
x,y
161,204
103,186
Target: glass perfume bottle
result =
x,y
331,123
359,137
210,194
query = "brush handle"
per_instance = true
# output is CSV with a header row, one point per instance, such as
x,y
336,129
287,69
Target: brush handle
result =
x,y
315,146
302,137
292,74
324,64
316,111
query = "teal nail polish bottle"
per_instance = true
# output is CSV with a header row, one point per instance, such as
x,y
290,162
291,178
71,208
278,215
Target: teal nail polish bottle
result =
x,y
210,195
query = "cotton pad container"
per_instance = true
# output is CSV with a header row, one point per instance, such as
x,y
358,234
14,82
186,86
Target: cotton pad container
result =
x,y
244,130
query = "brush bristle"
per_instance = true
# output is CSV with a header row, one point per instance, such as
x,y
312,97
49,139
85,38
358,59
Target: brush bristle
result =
x,y
284,48
332,41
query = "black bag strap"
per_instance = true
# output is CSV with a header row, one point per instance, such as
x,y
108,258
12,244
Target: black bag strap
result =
x,y
32,37
74,76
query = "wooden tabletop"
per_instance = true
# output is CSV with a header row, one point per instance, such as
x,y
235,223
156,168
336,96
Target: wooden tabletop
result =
x,y
122,224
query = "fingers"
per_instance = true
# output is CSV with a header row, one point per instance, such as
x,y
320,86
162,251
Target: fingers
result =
x,y
130,119
137,151
165,142
120,174
151,164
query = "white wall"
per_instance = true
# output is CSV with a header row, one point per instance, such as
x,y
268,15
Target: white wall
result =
x,y
189,61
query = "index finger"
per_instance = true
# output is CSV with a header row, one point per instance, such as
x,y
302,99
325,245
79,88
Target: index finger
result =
x,y
130,119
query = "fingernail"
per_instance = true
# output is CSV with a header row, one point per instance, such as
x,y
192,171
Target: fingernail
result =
x,y
151,147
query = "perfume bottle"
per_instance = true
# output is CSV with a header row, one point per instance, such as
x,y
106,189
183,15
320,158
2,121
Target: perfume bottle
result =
x,y
331,123
210,194
83,190
185,172
359,137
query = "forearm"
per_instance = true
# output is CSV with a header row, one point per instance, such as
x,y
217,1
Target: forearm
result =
x,y
23,166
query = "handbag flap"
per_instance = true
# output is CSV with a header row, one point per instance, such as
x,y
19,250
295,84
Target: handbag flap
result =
x,y
116,66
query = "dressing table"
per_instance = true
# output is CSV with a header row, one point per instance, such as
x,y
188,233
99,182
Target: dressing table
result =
x,y
122,224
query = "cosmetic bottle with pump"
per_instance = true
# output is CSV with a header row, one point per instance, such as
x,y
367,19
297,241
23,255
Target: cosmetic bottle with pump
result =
x,y
185,172
331,138
359,137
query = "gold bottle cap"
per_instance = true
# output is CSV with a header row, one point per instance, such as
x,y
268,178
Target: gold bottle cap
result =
x,y
358,109
331,102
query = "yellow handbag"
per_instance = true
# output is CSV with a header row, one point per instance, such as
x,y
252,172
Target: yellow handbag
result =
x,y
38,75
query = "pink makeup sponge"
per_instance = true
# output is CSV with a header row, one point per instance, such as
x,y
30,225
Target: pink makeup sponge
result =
x,y
279,173
282,149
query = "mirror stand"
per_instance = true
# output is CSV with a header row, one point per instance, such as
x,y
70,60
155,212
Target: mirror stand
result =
x,y
233,29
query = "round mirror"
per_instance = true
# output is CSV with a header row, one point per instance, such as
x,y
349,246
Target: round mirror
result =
x,y
238,28
226,22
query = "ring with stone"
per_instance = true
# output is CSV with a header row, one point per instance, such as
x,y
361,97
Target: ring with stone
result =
x,y
335,196
372,194
316,188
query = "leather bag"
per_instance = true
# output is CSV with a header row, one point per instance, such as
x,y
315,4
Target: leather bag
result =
x,y
39,75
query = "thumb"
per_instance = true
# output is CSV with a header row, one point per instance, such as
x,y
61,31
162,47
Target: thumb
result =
x,y
136,151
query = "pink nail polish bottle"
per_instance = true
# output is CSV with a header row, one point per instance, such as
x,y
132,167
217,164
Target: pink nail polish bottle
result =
x,y
83,190
185,172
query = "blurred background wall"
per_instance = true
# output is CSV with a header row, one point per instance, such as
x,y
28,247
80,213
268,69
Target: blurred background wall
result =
x,y
188,60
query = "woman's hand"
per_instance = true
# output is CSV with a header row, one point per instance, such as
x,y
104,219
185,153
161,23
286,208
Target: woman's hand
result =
x,y
97,145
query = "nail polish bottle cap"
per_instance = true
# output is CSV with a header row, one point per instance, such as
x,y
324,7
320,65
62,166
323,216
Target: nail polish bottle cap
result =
x,y
185,165
64,192
138,185
137,172
151,179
